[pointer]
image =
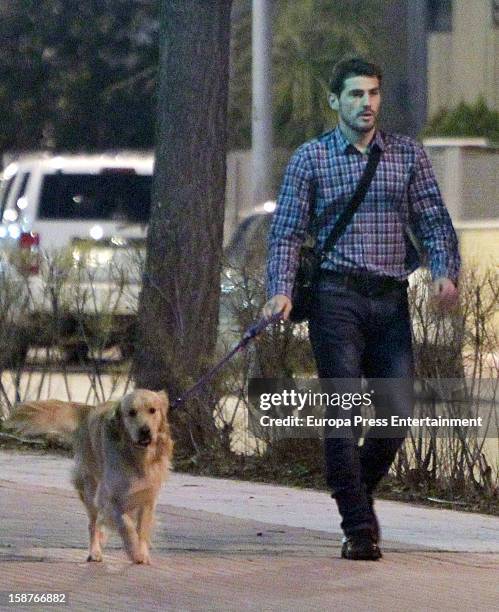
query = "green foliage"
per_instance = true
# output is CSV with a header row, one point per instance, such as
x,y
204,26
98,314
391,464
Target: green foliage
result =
x,y
82,75
309,37
77,75
470,120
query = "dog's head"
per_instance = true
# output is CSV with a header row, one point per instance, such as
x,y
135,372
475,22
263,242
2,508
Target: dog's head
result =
x,y
142,416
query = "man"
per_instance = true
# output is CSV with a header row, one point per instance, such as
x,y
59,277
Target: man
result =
x,y
360,324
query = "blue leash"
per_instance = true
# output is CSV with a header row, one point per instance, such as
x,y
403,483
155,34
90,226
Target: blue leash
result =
x,y
251,332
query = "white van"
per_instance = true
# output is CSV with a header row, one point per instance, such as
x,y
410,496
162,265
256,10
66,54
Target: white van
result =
x,y
59,199
96,207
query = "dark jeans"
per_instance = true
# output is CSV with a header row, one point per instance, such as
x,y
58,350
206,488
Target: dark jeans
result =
x,y
356,336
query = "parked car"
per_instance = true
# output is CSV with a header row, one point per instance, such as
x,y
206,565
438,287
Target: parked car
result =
x,y
65,211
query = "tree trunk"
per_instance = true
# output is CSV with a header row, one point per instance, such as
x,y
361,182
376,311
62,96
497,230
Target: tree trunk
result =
x,y
178,309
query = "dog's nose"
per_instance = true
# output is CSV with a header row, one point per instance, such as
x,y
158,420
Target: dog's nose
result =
x,y
144,431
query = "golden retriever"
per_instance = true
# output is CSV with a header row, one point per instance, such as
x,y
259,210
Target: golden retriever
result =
x,y
122,454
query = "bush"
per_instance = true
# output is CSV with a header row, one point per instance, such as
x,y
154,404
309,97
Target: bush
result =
x,y
214,433
455,347
465,120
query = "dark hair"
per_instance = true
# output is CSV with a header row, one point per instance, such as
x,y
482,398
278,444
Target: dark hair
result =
x,y
349,67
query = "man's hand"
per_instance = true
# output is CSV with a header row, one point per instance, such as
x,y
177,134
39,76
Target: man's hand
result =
x,y
278,304
445,294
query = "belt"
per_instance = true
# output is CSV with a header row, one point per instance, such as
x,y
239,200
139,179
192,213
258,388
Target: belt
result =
x,y
365,284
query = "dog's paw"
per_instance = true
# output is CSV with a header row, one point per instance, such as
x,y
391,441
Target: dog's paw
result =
x,y
141,557
95,557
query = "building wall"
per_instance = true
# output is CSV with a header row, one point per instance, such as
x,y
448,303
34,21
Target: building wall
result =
x,y
473,50
464,64
468,176
479,248
494,80
480,184
479,245
440,93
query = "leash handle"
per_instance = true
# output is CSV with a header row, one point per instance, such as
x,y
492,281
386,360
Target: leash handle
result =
x,y
257,328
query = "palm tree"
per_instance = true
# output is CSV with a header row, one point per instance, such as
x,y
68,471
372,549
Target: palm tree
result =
x,y
309,37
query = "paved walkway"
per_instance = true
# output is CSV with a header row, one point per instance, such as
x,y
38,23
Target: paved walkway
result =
x,y
230,545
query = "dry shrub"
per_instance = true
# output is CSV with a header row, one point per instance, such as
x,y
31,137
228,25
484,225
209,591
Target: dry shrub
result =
x,y
458,347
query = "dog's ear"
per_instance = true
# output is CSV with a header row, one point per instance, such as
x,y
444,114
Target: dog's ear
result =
x,y
114,422
165,443
165,403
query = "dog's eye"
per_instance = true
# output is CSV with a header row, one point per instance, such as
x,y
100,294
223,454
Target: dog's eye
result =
x,y
132,413
152,410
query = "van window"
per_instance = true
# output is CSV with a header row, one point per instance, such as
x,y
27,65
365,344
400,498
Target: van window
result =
x,y
110,196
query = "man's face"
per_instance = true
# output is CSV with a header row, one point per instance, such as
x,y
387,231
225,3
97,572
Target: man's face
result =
x,y
358,104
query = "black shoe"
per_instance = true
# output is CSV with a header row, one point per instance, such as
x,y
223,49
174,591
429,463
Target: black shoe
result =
x,y
360,547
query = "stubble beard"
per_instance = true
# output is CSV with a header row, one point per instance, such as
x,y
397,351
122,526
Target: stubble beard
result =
x,y
360,129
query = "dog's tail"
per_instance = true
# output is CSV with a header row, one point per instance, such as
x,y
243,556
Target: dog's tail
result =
x,y
52,418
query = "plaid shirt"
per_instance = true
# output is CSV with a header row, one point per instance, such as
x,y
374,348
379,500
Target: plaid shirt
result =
x,y
323,174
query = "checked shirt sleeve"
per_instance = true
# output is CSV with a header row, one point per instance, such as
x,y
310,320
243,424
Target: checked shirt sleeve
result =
x,y
431,222
289,225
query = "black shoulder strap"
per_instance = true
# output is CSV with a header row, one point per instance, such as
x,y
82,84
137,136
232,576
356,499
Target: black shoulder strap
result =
x,y
360,192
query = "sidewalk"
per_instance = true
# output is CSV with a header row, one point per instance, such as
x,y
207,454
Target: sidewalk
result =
x,y
230,545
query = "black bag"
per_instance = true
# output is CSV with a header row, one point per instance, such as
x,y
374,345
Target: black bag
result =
x,y
309,267
310,260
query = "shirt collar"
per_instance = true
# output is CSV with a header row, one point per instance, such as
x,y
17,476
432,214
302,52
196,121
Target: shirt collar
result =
x,y
378,140
345,146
